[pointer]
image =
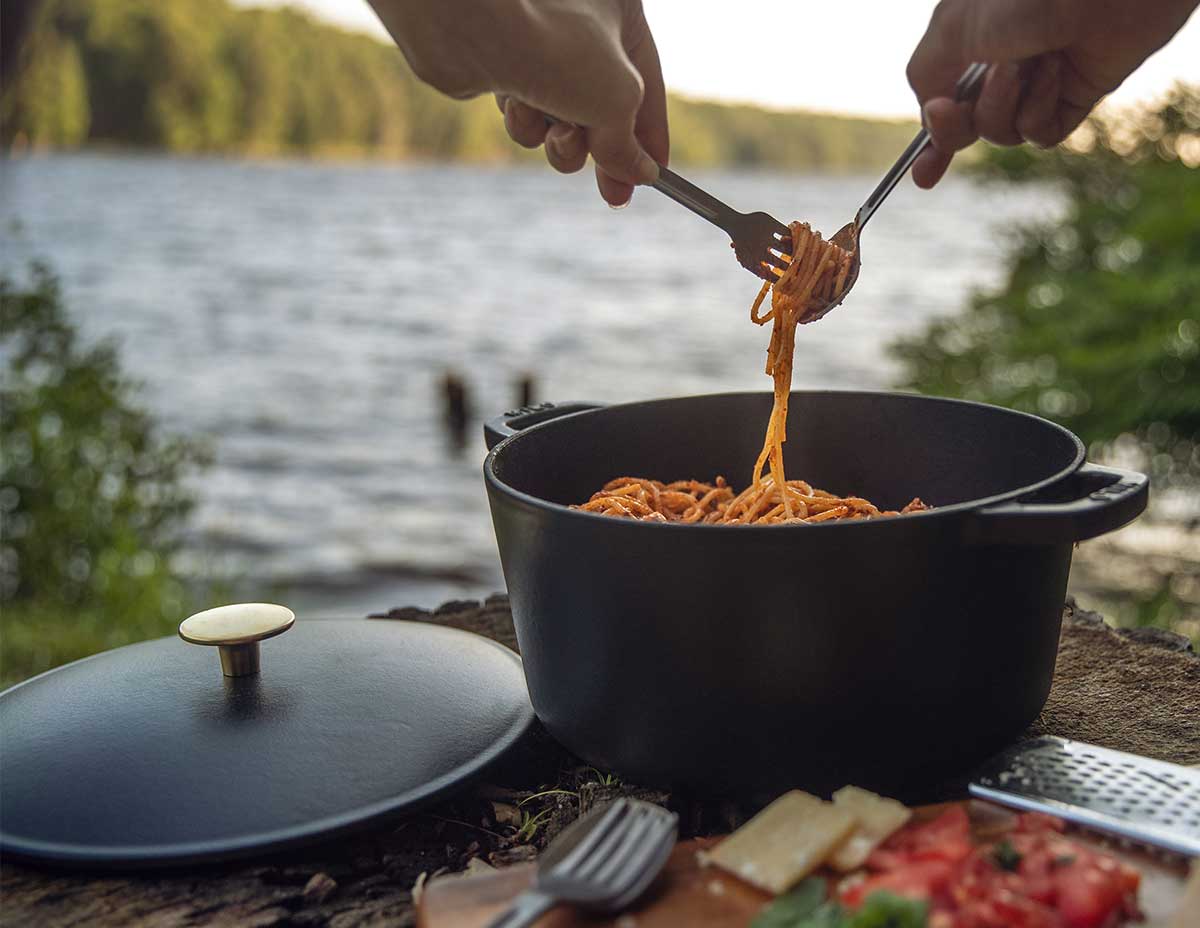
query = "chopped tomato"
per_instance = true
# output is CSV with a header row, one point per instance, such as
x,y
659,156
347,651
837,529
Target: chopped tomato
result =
x,y
919,880
1006,909
1093,888
947,837
1034,877
1038,822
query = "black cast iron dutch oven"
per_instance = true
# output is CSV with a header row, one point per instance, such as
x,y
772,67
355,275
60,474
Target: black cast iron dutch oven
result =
x,y
744,660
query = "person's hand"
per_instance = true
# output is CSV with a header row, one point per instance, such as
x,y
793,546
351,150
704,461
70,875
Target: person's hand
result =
x,y
1052,61
589,63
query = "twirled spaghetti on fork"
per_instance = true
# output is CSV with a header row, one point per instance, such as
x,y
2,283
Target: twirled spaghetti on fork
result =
x,y
816,274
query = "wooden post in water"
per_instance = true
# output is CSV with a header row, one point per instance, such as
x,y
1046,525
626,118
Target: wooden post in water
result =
x,y
456,409
526,389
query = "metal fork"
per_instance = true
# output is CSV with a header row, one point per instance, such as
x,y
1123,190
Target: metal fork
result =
x,y
965,90
602,862
760,241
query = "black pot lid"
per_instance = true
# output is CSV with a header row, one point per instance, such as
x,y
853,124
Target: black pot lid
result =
x,y
150,755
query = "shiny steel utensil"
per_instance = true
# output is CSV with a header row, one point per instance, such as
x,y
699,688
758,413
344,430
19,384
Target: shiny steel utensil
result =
x,y
848,236
760,241
602,862
1147,801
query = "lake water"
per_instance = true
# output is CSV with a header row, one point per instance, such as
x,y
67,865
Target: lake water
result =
x,y
302,316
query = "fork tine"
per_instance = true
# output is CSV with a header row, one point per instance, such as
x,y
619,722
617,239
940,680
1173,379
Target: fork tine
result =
x,y
779,261
611,820
599,868
637,864
577,865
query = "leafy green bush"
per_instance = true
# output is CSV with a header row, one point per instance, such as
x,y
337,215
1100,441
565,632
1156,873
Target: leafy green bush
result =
x,y
1098,323
91,493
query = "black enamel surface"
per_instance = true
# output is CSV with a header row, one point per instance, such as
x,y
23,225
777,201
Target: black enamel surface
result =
x,y
147,755
887,653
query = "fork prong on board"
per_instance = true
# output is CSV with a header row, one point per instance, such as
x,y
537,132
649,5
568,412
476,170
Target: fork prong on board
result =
x,y
634,867
640,828
610,821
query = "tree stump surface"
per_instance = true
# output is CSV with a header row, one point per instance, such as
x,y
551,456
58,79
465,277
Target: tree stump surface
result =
x,y
1133,690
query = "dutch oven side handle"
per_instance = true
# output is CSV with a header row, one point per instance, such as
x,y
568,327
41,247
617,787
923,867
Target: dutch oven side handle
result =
x,y
498,428
1103,499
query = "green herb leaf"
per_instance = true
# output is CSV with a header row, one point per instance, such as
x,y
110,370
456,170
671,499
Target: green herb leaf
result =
x,y
830,915
1005,856
802,908
886,910
794,909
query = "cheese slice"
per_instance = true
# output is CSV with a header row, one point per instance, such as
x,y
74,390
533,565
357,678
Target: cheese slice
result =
x,y
785,842
876,818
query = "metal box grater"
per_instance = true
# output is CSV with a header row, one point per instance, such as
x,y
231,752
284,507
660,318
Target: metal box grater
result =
x,y
1145,800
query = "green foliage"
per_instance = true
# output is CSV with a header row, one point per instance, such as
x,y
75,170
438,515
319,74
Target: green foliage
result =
x,y
529,826
1098,323
885,910
91,493
793,908
716,134
604,779
52,105
202,76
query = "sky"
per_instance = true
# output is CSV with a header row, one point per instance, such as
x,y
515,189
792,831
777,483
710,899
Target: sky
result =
x,y
710,51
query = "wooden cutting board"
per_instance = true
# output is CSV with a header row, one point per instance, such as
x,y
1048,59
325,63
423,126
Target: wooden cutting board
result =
x,y
704,897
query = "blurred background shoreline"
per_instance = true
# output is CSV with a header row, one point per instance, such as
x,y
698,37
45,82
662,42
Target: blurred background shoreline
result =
x,y
253,207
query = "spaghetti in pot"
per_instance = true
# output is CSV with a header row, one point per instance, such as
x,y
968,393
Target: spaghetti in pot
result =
x,y
815,276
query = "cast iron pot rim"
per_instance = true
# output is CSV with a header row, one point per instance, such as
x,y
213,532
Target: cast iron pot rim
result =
x,y
535,502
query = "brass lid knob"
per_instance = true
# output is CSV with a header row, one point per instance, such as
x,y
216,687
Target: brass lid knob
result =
x,y
236,631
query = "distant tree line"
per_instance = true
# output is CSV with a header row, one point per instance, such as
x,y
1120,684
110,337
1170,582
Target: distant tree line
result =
x,y
202,76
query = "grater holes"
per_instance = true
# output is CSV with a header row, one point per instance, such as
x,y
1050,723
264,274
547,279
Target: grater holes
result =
x,y
1112,785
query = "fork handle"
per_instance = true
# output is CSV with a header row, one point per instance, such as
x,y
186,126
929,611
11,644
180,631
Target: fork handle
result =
x,y
526,909
966,90
685,193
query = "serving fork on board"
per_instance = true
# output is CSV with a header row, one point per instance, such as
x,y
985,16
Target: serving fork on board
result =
x,y
603,862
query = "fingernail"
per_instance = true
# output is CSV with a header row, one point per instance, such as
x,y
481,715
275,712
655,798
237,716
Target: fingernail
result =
x,y
556,139
621,205
647,169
